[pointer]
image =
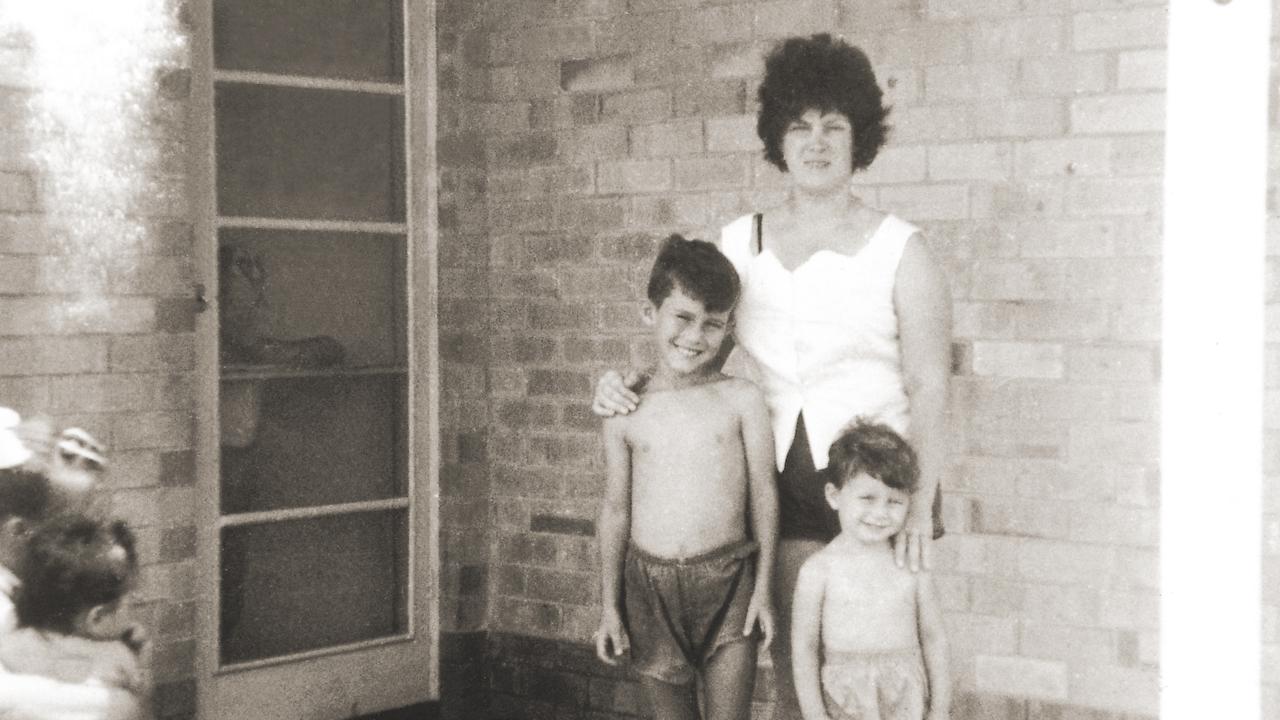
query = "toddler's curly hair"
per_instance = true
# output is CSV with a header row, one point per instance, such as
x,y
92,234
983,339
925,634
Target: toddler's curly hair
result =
x,y
876,449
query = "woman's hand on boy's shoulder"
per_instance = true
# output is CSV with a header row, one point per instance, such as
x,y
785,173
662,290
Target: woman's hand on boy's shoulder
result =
x,y
616,393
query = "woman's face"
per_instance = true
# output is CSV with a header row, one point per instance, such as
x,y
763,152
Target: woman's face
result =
x,y
818,150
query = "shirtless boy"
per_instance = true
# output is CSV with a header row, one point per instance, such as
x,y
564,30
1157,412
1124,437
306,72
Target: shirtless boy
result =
x,y
688,526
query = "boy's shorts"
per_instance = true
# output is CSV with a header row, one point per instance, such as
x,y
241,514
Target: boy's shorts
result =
x,y
680,612
875,685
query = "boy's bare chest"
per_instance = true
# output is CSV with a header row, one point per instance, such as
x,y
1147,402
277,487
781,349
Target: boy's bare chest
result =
x,y
668,424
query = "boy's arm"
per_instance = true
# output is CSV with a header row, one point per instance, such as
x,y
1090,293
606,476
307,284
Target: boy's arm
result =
x,y
933,642
613,530
806,637
757,441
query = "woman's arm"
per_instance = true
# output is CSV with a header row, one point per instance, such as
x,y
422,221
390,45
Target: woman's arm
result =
x,y
614,528
933,643
922,300
806,638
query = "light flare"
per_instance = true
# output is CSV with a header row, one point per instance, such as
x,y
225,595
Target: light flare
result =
x,y
94,128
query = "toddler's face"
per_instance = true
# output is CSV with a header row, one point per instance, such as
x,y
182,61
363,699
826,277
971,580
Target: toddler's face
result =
x,y
868,509
687,335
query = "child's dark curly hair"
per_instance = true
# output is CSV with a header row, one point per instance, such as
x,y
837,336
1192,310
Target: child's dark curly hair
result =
x,y
699,269
877,450
73,563
825,74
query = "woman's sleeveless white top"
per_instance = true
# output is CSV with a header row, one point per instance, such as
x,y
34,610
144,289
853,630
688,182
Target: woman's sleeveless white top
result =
x,y
822,338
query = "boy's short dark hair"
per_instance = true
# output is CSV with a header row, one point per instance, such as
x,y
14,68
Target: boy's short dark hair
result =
x,y
71,566
699,269
876,449
825,74
24,493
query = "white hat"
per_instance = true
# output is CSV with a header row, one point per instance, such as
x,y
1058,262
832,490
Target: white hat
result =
x,y
13,452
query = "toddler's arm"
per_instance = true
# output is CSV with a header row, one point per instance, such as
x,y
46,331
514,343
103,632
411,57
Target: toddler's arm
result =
x,y
757,439
806,638
933,643
613,529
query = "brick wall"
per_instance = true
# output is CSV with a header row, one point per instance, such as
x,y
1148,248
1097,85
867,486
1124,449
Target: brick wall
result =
x,y
1028,144
96,317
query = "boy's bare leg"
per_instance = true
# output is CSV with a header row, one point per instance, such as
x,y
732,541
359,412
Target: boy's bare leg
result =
x,y
677,702
791,555
730,678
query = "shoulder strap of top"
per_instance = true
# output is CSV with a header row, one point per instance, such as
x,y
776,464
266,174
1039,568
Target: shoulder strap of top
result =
x,y
737,243
757,226
892,236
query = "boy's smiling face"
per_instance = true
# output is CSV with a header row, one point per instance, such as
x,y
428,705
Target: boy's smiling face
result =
x,y
687,335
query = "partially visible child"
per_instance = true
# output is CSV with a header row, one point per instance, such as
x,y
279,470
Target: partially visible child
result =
x,y
24,501
867,636
688,526
76,572
39,473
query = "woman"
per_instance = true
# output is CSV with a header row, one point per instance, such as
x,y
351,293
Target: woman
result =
x,y
844,312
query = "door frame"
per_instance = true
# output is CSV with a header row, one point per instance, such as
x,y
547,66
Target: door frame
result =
x,y
423,432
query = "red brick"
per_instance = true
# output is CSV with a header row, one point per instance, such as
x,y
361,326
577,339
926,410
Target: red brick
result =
x,y
740,60
922,44
786,18
983,161
1063,75
1019,118
716,25
592,143
733,134
1142,69
639,106
143,353
17,192
1120,29
927,202
1018,37
963,9
1116,196
503,118
633,176
1074,156
559,382
713,97
932,123
597,74
948,83
729,171
1112,114
52,355
637,33
682,137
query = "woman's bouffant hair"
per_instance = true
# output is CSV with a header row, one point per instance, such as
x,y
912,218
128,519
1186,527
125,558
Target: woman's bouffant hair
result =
x,y
699,269
825,74
877,450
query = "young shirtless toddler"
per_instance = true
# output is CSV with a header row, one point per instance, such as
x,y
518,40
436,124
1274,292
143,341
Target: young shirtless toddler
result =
x,y
866,635
688,526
